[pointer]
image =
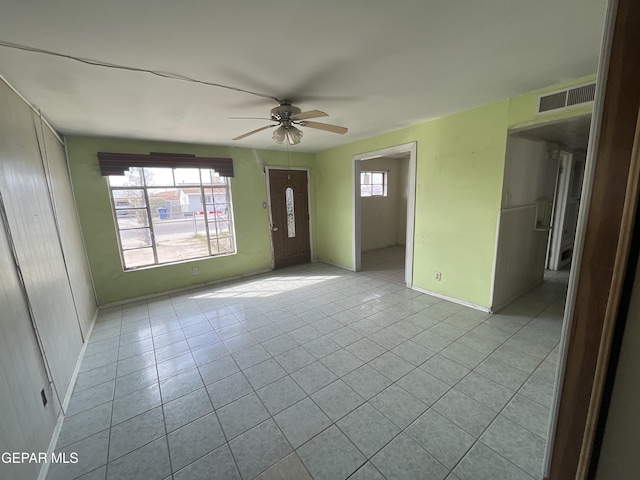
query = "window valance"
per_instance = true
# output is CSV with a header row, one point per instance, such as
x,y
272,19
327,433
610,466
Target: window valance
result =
x,y
118,163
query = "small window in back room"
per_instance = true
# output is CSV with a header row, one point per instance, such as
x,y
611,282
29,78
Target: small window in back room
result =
x,y
373,184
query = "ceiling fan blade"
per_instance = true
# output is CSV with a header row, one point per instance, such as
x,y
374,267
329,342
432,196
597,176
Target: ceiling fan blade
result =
x,y
325,126
309,114
253,131
250,118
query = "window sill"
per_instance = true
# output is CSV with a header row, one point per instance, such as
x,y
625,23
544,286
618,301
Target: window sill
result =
x,y
180,262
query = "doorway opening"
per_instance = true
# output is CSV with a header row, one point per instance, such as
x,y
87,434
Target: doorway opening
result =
x,y
537,229
383,211
544,169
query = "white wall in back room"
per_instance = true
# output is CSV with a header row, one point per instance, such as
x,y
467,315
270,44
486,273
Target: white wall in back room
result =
x,y
401,205
383,220
529,176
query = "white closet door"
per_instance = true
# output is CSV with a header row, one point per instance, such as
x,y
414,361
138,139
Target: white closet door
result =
x,y
24,418
30,217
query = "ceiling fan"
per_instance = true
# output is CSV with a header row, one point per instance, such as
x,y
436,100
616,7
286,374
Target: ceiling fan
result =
x,y
287,116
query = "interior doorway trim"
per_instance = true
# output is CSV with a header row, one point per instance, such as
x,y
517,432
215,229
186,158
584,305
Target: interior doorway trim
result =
x,y
546,123
268,206
601,249
411,149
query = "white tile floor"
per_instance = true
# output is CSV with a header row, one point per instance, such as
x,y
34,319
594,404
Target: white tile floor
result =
x,y
315,372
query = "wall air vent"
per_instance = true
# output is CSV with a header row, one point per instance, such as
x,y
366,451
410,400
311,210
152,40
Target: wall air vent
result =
x,y
552,102
566,98
579,95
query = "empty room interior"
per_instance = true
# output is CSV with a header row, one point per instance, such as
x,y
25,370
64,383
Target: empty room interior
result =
x,y
235,245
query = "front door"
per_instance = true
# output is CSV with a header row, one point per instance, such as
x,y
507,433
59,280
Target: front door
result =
x,y
289,217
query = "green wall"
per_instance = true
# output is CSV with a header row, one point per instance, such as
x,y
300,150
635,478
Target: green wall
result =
x,y
459,175
458,188
248,188
460,166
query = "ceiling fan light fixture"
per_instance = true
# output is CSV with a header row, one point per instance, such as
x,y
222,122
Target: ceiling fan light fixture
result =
x,y
284,116
279,134
294,135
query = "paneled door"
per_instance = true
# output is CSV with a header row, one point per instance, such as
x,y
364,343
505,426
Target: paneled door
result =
x,y
289,217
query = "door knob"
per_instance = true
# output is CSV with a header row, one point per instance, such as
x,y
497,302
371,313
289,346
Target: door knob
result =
x,y
274,228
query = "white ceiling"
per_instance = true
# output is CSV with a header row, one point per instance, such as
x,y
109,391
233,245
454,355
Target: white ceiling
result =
x,y
373,65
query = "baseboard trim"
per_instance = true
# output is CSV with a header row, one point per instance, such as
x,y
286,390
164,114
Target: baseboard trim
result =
x,y
76,371
515,296
185,289
343,267
44,469
452,299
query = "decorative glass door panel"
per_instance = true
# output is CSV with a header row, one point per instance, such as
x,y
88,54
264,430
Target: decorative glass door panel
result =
x,y
291,215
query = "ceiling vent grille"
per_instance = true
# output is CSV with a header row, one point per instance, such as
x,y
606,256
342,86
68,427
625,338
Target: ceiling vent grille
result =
x,y
568,97
552,102
578,95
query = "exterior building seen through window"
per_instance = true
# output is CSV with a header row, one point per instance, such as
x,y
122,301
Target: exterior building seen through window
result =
x,y
167,215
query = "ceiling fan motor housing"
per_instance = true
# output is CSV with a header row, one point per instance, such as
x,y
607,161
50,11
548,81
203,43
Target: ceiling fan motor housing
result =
x,y
286,116
284,111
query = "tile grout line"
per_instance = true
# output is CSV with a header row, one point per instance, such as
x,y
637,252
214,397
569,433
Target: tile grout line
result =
x,y
319,360
477,440
164,420
113,403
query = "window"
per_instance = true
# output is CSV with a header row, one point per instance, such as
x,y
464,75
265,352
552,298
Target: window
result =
x,y
373,184
166,215
291,214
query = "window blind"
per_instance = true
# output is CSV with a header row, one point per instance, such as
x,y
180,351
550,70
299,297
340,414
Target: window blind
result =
x,y
118,163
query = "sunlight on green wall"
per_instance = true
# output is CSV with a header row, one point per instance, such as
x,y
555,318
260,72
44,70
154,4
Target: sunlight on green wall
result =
x,y
460,163
248,189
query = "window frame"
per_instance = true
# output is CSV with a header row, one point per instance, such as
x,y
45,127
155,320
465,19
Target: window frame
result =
x,y
371,173
147,208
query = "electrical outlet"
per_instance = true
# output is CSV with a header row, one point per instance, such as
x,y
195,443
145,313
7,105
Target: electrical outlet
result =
x,y
195,271
438,276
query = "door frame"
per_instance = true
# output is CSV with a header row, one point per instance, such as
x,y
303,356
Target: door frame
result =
x,y
556,213
563,150
268,207
356,247
562,199
605,221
